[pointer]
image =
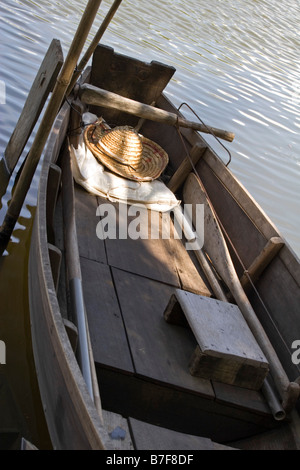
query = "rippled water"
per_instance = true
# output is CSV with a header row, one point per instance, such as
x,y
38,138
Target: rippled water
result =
x,y
237,65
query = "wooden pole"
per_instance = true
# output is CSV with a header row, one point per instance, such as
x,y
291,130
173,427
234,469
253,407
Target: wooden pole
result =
x,y
261,262
43,132
207,269
74,276
186,167
93,44
90,94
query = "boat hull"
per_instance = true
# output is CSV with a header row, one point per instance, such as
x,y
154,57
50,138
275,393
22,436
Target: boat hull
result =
x,y
224,415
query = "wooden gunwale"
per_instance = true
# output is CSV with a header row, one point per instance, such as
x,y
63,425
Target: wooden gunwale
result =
x,y
54,357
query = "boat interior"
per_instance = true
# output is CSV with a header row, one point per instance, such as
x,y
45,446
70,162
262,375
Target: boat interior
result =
x,y
142,345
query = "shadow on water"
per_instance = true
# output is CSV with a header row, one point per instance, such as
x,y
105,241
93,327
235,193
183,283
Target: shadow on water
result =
x,y
21,409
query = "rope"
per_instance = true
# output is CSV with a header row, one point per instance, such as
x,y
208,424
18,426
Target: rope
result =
x,y
209,130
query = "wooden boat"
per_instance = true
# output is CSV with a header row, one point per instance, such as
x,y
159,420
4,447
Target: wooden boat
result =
x,y
119,325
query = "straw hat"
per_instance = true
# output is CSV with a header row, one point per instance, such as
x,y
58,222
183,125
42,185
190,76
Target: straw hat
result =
x,y
126,152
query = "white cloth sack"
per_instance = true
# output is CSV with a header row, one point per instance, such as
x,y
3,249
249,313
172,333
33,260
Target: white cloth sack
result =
x,y
96,179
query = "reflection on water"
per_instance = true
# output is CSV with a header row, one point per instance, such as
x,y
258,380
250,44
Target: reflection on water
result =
x,y
25,413
237,65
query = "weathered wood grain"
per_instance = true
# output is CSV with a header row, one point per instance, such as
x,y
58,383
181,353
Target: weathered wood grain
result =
x,y
95,96
179,409
55,256
106,327
159,351
42,86
251,400
53,185
261,262
86,221
150,437
144,256
118,431
127,77
216,247
185,168
158,253
227,350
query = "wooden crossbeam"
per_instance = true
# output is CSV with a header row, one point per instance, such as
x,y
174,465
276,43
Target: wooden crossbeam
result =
x,y
261,262
185,168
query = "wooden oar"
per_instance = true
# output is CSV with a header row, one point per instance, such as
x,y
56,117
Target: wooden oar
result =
x,y
216,248
39,92
82,64
74,273
43,132
191,237
85,353
42,86
90,94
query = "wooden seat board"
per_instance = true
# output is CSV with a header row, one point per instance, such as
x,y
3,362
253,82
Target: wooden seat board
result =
x,y
226,348
160,351
220,328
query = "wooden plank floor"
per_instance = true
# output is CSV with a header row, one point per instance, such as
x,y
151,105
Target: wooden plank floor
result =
x,y
108,336
90,246
159,351
143,362
149,437
132,434
163,259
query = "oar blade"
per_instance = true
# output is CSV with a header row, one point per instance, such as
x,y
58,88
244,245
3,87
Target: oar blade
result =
x,y
41,87
214,242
